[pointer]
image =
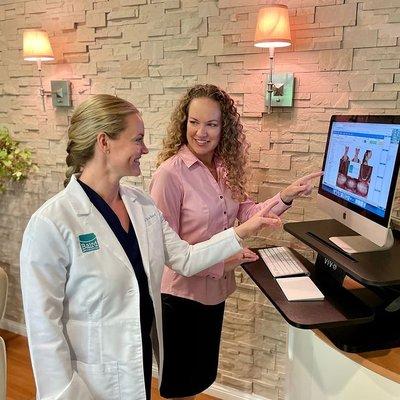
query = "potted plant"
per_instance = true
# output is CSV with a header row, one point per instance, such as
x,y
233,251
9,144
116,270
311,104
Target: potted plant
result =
x,y
15,163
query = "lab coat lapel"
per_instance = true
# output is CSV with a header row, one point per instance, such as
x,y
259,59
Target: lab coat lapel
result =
x,y
135,211
94,220
108,238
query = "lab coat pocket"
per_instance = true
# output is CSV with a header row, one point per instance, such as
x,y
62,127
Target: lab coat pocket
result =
x,y
101,379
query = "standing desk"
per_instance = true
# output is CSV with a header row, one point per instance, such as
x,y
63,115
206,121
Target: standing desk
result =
x,y
352,318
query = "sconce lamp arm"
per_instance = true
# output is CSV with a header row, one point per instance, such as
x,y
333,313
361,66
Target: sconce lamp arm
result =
x,y
270,84
43,92
41,89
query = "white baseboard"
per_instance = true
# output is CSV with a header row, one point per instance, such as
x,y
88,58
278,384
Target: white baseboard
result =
x,y
13,326
223,392
228,393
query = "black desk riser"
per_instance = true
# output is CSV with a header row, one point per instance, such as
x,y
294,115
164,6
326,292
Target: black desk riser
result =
x,y
355,320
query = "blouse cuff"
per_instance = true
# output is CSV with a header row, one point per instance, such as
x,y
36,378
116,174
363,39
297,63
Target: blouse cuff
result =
x,y
239,239
285,202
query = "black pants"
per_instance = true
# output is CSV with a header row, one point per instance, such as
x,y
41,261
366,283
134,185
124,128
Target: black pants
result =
x,y
192,334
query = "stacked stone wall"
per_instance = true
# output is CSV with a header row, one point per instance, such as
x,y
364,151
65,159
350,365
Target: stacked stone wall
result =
x,y
345,57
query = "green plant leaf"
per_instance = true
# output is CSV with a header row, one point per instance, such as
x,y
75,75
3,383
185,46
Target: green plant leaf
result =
x,y
15,163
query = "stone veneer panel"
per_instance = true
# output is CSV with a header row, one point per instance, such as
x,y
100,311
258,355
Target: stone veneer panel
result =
x,y
345,57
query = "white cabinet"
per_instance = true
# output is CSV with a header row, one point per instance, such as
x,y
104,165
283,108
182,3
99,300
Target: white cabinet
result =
x,y
317,371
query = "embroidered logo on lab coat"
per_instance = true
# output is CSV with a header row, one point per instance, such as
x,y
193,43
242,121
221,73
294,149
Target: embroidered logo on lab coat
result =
x,y
88,242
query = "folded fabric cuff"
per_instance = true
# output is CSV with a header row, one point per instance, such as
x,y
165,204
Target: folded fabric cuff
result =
x,y
284,202
239,239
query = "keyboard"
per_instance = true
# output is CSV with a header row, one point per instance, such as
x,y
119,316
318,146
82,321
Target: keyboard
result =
x,y
282,262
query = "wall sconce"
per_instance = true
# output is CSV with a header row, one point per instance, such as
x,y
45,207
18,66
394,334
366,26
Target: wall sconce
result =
x,y
273,30
36,47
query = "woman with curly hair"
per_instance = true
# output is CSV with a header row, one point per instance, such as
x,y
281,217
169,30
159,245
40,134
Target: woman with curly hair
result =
x,y
200,186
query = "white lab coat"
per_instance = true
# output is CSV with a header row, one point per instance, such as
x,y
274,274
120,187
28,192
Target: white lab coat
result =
x,y
81,299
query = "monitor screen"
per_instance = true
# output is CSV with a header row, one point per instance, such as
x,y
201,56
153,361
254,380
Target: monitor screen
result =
x,y
361,164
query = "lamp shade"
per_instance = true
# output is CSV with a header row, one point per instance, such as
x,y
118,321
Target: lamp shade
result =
x,y
37,46
273,29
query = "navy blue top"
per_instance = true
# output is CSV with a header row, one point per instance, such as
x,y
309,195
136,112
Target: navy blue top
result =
x,y
129,242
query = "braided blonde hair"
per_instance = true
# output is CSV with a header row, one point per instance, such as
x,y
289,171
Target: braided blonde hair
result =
x,y
232,148
99,113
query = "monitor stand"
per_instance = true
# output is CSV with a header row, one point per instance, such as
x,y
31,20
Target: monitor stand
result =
x,y
359,244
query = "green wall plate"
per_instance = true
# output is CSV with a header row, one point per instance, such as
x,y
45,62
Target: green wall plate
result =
x,y
284,87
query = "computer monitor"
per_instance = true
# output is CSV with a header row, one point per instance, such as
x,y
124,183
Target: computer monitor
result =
x,y
361,164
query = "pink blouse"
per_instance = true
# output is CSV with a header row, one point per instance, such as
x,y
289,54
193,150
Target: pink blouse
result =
x,y
197,206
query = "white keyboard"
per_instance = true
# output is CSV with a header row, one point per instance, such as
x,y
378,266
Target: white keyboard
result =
x,y
282,262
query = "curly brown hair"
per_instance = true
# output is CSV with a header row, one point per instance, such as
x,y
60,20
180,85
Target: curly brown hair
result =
x,y
232,148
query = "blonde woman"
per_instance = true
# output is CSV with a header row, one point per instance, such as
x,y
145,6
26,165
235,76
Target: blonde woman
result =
x,y
92,259
200,186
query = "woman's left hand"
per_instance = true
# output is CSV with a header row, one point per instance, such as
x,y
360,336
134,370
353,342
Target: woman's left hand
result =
x,y
300,187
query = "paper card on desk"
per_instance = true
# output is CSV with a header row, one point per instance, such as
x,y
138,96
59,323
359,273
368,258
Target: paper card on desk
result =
x,y
299,288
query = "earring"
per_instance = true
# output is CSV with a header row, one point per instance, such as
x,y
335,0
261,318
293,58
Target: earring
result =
x,y
108,151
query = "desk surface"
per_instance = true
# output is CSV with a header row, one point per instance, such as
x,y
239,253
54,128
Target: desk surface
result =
x,y
378,268
339,307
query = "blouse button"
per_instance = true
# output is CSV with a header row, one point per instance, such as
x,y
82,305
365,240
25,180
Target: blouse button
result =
x,y
221,197
224,212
